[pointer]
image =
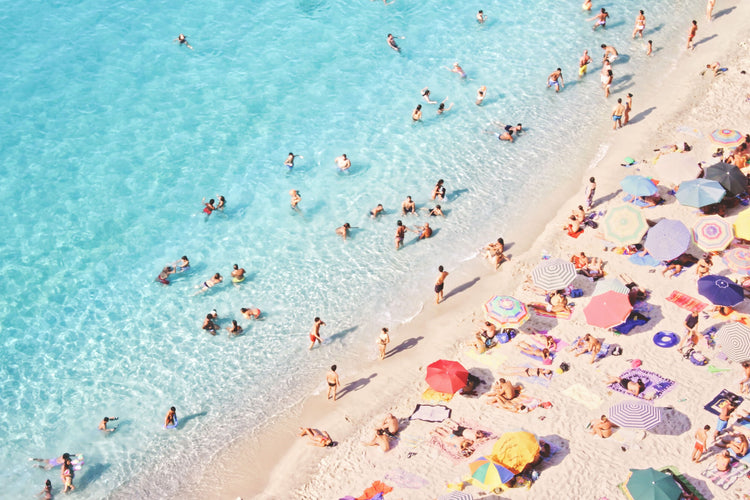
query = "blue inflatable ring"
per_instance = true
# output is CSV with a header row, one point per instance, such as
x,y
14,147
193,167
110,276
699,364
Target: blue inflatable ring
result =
x,y
666,339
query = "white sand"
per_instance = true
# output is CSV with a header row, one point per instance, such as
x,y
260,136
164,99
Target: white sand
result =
x,y
278,465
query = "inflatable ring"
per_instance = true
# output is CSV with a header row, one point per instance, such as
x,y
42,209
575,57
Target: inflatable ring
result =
x,y
698,359
666,339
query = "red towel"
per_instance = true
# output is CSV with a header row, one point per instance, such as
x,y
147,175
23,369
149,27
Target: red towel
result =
x,y
686,301
377,487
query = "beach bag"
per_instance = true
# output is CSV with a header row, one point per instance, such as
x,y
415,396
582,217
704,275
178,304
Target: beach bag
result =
x,y
505,335
615,350
576,292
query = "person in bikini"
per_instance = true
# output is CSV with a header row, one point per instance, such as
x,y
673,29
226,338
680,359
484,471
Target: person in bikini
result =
x,y
183,41
250,313
289,162
458,69
426,96
295,199
400,232
209,325
601,19
633,387
317,438
640,24
439,190
522,371
332,379
436,212
383,340
494,251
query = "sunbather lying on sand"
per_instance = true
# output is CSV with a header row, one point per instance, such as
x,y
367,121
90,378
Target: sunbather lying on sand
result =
x,y
451,427
594,268
736,442
535,351
502,393
464,446
522,371
635,388
317,438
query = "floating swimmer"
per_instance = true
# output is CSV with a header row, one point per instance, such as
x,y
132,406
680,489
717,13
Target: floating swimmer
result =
x,y
458,69
217,278
183,41
238,274
51,463
392,43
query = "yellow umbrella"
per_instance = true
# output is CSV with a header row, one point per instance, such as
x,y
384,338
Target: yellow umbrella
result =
x,y
515,450
742,225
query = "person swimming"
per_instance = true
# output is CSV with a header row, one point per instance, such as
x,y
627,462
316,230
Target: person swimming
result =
x,y
182,265
183,41
163,277
458,69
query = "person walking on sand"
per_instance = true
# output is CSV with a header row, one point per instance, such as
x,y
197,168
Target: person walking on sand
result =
x,y
583,63
383,340
400,232
555,79
332,379
617,113
691,35
608,83
601,19
315,332
699,448
649,47
640,24
628,107
709,10
590,192
439,284
295,199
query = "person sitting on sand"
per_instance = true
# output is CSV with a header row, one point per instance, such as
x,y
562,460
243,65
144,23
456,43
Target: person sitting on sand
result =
x,y
590,344
317,438
470,389
522,371
736,442
634,388
703,267
389,425
558,302
593,269
580,261
572,226
673,268
502,391
602,427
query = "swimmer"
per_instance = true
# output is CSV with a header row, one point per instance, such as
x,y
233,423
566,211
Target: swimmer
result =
x,y
481,94
343,231
424,232
51,463
183,41
458,69
238,274
408,206
46,493
209,325
400,232
289,162
426,96
583,63
601,19
296,198
441,107
250,313
234,328
610,53
163,277
436,212
171,418
209,207
377,211
104,422
416,115
343,163
586,5
508,131
555,79
691,34
182,265
222,203
315,334
438,191
392,43
649,47
640,24
481,18
215,280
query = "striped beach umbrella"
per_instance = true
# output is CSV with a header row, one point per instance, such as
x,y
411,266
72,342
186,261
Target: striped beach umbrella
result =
x,y
726,137
712,233
667,239
634,414
651,484
638,185
608,309
720,291
738,260
742,225
624,224
610,285
489,473
700,192
676,168
729,176
553,274
506,311
734,340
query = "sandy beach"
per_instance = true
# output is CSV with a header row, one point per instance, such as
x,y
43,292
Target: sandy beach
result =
x,y
680,105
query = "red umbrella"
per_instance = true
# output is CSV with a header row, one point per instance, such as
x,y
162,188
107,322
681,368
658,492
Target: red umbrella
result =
x,y
608,309
447,376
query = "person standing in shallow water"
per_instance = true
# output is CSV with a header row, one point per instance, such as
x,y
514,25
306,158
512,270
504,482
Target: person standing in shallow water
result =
x,y
315,332
332,379
383,340
440,284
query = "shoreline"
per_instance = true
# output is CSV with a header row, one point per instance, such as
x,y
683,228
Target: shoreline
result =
x,y
276,446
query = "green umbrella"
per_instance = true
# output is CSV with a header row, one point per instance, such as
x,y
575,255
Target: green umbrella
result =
x,y
650,484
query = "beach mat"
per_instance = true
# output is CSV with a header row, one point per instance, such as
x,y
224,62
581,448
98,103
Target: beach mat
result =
x,y
434,396
644,259
603,350
540,309
714,406
656,385
686,301
430,413
583,395
725,480
491,357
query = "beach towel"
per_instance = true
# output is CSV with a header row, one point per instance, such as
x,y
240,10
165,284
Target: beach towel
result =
x,y
492,357
430,413
583,395
686,301
603,350
541,310
686,485
576,234
629,198
452,451
714,406
656,385
405,479
725,480
539,358
644,259
434,396
377,488
635,318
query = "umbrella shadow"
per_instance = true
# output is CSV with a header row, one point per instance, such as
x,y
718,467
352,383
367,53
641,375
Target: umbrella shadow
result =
x,y
700,485
460,288
560,447
673,423
486,378
406,344
355,385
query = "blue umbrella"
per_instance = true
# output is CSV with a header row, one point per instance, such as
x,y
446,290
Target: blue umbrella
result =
x,y
667,239
700,192
720,290
637,185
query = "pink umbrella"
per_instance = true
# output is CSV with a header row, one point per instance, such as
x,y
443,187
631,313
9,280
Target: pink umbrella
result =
x,y
608,309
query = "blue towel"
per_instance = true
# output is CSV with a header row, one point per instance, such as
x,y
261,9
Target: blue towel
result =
x,y
634,319
644,260
635,201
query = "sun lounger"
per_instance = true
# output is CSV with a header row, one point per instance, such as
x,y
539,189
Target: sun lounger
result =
x,y
686,301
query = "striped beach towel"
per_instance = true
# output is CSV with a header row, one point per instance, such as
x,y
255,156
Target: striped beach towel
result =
x,y
686,301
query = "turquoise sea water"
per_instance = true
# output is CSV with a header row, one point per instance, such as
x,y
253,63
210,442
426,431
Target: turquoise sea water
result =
x,y
112,134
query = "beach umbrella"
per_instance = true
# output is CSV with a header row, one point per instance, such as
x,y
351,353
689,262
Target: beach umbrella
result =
x,y
700,192
712,233
675,168
650,484
506,311
667,239
738,260
610,285
726,137
608,309
742,225
634,414
456,495
729,176
515,450
553,274
624,224
446,376
720,291
489,473
734,341
637,185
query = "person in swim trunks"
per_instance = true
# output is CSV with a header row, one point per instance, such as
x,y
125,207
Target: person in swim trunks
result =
x,y
209,325
183,41
458,69
400,232
209,207
634,388
481,94
701,435
408,207
289,162
416,115
610,53
601,19
343,163
481,18
317,438
617,113
424,232
104,422
332,379
315,332
377,211
238,274
691,34
583,63
602,427
726,410
436,212
439,284
555,79
215,280
250,313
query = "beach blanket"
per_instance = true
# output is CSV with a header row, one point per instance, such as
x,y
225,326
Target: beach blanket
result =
x,y
434,396
583,395
376,490
539,358
635,318
725,480
543,381
629,198
714,406
405,479
452,451
492,357
430,413
644,259
576,234
603,350
656,385
686,301
540,309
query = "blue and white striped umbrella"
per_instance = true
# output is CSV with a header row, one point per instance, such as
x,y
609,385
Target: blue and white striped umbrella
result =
x,y
734,340
553,274
635,414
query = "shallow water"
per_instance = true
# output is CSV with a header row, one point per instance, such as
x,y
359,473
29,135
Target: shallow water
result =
x,y
113,134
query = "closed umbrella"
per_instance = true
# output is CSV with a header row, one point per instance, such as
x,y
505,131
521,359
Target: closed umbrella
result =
x,y
734,340
515,450
489,473
650,484
712,233
608,309
553,274
726,137
506,311
676,168
729,176
738,260
637,185
446,376
667,239
700,192
624,224
720,290
610,285
742,225
635,414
